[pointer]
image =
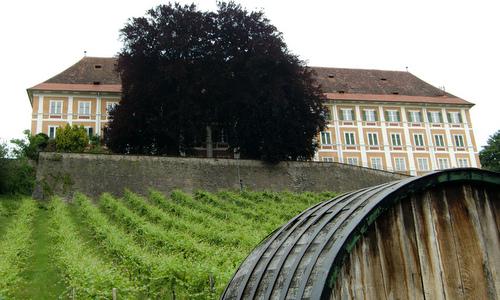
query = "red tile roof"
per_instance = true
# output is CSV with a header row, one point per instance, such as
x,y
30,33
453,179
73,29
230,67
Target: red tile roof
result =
x,y
397,98
98,74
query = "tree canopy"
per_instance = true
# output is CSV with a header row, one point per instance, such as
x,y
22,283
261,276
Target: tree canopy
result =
x,y
183,69
490,155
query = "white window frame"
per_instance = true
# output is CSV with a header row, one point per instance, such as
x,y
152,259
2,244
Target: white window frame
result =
x,y
392,115
399,164
462,162
113,104
435,117
400,142
81,110
328,159
419,142
459,140
376,163
440,140
443,163
415,116
347,116
348,135
454,117
55,131
55,107
324,134
352,161
423,163
373,139
370,115
87,129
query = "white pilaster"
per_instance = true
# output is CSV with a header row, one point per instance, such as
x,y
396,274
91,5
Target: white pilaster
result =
x,y
409,148
430,139
98,116
470,146
362,145
385,139
338,141
70,110
449,138
39,116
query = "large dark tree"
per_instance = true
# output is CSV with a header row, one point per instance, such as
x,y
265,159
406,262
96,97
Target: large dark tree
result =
x,y
183,69
490,155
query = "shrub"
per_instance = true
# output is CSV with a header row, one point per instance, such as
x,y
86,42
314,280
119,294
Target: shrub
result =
x,y
71,138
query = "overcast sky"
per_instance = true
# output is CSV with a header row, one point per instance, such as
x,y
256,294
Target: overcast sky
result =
x,y
455,44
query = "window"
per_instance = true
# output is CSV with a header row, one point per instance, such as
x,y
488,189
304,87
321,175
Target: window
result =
x,y
396,139
419,139
90,131
454,117
399,164
110,106
352,161
349,138
328,159
326,138
442,163
435,117
52,132
370,115
439,139
376,163
55,107
347,114
415,117
463,162
84,108
459,140
372,139
423,164
393,116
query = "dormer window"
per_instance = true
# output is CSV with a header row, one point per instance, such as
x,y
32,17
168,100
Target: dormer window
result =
x,y
383,79
341,92
96,82
331,76
395,93
97,66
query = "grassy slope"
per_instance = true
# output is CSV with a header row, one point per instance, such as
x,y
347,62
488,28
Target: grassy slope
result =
x,y
42,280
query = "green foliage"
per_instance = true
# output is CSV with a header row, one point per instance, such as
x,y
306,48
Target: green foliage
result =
x,y
15,248
490,155
150,247
71,139
30,146
18,177
84,271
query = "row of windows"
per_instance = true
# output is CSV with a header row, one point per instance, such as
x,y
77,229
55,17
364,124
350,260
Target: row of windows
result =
x,y
396,141
393,115
56,107
400,163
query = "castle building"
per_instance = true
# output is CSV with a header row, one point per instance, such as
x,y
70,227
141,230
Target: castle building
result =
x,y
394,121
387,120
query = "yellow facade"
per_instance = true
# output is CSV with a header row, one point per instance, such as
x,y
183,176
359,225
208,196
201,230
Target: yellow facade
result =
x,y
413,150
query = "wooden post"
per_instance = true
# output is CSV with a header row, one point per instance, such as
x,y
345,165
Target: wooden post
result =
x,y
114,293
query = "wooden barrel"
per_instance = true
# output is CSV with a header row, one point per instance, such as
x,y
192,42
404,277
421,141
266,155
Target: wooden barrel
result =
x,y
429,237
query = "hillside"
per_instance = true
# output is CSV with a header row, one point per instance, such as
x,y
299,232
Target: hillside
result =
x,y
181,246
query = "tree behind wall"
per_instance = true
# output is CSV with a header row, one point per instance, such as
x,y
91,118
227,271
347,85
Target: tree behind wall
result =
x,y
490,155
183,69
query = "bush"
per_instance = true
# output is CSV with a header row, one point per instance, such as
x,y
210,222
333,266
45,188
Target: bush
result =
x,y
30,146
71,138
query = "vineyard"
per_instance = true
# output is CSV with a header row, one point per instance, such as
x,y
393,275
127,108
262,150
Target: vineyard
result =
x,y
178,247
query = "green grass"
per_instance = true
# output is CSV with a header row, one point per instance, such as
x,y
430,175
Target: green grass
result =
x,y
41,279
